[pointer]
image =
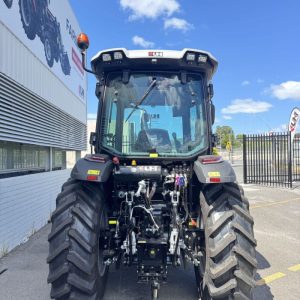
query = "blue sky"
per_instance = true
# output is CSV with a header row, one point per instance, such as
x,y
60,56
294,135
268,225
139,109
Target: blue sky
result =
x,y
257,44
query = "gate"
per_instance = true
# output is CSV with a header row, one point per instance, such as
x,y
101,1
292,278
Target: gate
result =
x,y
271,159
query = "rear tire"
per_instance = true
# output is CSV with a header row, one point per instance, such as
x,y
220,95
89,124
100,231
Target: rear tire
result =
x,y
76,268
230,263
28,18
48,49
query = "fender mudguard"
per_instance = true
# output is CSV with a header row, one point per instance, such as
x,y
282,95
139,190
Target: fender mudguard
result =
x,y
93,167
213,169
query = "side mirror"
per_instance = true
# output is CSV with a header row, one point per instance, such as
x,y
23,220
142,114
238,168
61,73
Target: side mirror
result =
x,y
215,140
98,90
92,141
212,113
210,90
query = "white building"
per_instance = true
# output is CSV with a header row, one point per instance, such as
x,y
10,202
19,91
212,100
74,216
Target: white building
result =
x,y
42,112
91,127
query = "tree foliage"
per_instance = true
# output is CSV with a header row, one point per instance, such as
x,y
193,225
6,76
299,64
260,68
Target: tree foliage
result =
x,y
225,134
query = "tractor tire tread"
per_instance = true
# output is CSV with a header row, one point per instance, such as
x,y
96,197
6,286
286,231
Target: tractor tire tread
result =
x,y
230,242
67,222
221,269
73,266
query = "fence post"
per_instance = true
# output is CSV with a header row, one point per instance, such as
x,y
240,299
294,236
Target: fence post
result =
x,y
245,158
290,149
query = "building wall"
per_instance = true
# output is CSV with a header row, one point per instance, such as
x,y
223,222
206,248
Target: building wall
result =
x,y
42,118
27,118
26,203
20,64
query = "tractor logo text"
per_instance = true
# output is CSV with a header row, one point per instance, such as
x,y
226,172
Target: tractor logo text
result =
x,y
149,168
71,31
155,53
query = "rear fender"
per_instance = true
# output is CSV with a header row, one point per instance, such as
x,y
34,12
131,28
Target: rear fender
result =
x,y
213,169
97,168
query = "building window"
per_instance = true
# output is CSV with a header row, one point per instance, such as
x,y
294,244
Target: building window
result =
x,y
58,159
20,159
3,157
29,157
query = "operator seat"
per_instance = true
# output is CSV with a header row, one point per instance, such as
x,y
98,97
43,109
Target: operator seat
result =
x,y
153,139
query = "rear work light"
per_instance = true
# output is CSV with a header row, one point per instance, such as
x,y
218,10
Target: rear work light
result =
x,y
211,160
106,57
118,55
190,57
202,58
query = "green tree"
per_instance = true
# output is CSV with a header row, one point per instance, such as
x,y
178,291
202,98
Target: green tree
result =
x,y
238,140
225,134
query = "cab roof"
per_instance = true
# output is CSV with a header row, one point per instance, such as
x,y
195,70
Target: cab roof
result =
x,y
155,59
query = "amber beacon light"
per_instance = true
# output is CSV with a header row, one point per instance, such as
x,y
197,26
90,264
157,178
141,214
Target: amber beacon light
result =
x,y
83,41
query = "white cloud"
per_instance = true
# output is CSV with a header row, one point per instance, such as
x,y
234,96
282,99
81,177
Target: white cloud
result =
x,y
259,80
179,24
140,41
281,128
246,106
151,9
245,82
227,117
92,116
286,90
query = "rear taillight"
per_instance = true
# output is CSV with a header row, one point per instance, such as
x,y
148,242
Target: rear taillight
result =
x,y
211,160
92,177
215,179
95,158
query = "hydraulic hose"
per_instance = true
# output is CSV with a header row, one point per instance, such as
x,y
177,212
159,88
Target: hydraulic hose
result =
x,y
148,211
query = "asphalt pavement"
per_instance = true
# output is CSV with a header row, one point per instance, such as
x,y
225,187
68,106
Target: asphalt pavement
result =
x,y
276,212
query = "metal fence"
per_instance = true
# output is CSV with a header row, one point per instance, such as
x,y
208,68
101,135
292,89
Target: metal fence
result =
x,y
271,159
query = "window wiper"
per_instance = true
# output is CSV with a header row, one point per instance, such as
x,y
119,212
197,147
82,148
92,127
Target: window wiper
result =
x,y
149,89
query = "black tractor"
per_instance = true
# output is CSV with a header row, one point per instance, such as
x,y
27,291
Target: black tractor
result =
x,y
38,20
151,195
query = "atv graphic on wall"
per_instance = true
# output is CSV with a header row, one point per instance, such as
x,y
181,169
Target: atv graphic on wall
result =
x,y
38,20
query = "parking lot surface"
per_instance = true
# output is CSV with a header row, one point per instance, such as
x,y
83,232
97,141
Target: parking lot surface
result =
x,y
276,212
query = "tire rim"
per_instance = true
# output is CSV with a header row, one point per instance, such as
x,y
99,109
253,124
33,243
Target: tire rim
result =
x,y
26,13
48,49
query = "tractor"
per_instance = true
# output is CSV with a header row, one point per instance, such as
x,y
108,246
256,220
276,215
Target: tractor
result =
x,y
151,195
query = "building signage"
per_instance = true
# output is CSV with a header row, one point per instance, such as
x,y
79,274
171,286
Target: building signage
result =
x,y
49,30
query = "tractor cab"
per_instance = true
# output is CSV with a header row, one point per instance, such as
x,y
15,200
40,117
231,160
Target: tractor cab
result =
x,y
154,103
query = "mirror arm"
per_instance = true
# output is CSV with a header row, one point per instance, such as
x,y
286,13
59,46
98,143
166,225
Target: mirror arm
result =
x,y
83,56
